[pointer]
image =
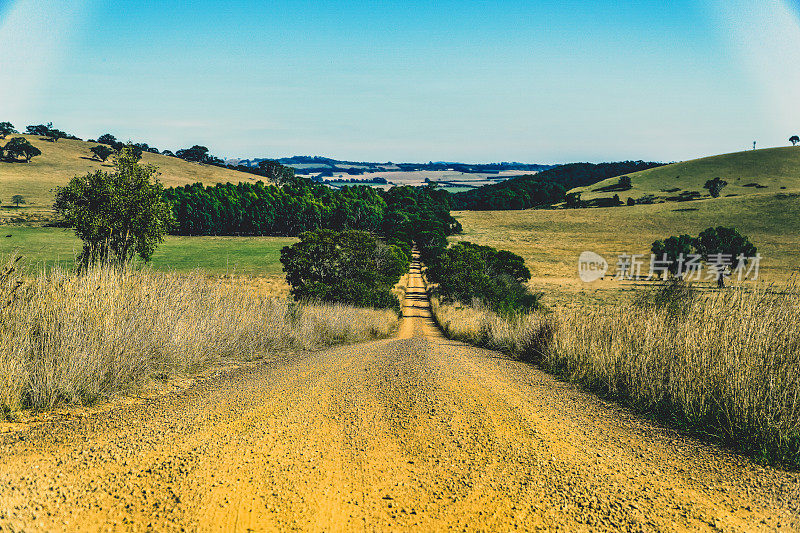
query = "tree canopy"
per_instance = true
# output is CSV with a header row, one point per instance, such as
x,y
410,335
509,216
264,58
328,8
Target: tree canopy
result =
x,y
6,128
18,147
102,152
350,267
117,215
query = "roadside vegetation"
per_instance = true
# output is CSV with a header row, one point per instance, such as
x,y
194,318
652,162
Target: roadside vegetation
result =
x,y
724,365
68,339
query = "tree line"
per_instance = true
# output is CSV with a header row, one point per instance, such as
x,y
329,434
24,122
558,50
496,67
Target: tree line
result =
x,y
543,189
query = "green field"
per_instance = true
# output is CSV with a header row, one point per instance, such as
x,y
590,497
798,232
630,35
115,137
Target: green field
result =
x,y
754,172
247,256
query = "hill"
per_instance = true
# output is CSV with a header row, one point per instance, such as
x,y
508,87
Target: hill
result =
x,y
542,189
62,160
767,171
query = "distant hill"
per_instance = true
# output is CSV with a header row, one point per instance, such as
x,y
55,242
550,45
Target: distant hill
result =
x,y
767,171
62,160
328,166
542,189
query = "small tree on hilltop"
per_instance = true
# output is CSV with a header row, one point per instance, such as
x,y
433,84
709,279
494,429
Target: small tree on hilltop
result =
x,y
117,215
102,152
715,186
794,139
21,147
724,245
6,128
196,154
17,199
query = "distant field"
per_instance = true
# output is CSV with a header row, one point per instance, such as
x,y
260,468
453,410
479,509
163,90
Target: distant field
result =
x,y
747,173
551,240
62,160
242,256
417,178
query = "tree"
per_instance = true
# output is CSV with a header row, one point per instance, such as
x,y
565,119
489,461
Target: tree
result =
x,y
111,141
794,139
21,147
715,186
466,272
625,182
40,129
17,199
102,152
117,215
197,154
674,248
723,245
6,128
275,172
350,267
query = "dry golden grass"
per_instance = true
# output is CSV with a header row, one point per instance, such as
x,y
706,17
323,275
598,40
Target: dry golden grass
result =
x,y
724,364
62,160
67,339
550,241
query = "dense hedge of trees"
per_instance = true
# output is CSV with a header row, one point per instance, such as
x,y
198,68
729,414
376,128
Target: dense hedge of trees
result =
x,y
401,215
543,189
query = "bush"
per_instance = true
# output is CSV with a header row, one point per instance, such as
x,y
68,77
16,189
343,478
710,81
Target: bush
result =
x,y
350,267
466,272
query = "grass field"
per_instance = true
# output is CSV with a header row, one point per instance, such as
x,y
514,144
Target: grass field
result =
x,y
62,160
232,256
773,170
551,240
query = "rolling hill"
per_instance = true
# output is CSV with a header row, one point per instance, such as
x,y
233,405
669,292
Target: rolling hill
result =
x,y
767,171
60,161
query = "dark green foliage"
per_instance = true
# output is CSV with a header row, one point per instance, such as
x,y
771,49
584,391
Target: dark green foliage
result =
x,y
725,241
20,147
18,199
794,139
631,201
673,248
466,272
196,154
715,186
276,173
111,141
350,267
49,132
543,189
116,215
102,152
6,128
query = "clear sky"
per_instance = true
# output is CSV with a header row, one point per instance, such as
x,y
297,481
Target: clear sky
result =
x,y
534,81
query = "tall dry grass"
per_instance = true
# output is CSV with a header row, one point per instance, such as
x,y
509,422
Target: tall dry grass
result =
x,y
726,364
66,338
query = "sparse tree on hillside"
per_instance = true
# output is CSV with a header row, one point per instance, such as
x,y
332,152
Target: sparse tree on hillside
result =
x,y
21,147
117,215
794,139
674,248
724,243
6,128
17,200
111,141
196,154
102,152
715,186
276,172
168,153
39,129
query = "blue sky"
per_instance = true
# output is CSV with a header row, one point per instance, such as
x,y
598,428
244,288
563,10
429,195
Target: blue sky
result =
x,y
548,81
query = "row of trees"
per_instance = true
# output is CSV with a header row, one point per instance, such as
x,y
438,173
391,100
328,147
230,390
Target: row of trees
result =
x,y
545,188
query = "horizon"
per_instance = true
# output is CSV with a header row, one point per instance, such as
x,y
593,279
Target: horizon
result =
x,y
457,82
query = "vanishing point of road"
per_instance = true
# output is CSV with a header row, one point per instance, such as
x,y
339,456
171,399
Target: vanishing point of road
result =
x,y
411,433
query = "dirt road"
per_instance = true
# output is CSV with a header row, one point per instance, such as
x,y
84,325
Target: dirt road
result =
x,y
415,432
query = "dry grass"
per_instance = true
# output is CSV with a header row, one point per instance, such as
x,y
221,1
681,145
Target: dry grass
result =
x,y
725,365
67,339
